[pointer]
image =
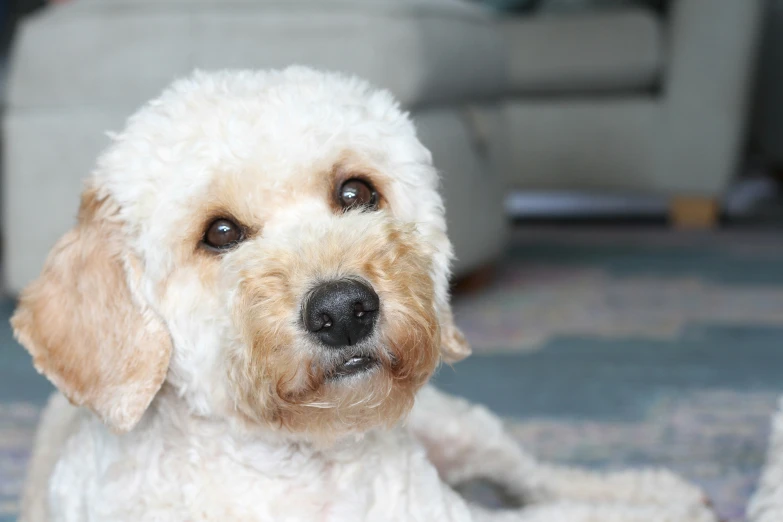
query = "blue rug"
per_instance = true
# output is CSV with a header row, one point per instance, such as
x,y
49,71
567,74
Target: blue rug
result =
x,y
601,348
614,348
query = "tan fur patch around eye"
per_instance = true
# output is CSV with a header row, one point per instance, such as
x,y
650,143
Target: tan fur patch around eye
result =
x,y
226,198
347,167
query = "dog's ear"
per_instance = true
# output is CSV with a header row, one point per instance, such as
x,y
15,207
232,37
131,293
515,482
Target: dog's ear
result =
x,y
453,345
86,328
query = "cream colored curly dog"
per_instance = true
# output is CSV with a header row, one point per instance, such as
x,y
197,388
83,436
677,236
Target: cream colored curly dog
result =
x,y
252,299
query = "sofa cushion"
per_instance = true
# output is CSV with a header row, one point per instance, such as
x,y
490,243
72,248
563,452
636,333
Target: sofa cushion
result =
x,y
119,53
584,53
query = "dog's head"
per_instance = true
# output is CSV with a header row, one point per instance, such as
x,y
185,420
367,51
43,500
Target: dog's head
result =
x,y
271,244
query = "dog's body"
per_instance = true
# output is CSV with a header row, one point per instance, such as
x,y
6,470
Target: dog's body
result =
x,y
254,296
175,467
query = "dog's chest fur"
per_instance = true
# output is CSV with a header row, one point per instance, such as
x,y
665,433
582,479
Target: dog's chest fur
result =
x,y
178,468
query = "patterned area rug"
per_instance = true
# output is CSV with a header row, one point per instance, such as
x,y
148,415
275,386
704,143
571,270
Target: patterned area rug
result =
x,y
611,349
602,348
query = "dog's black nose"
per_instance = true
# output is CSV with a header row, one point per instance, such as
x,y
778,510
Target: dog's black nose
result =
x,y
341,313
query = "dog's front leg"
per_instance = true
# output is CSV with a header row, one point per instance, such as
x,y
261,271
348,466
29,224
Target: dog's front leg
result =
x,y
576,512
647,486
466,442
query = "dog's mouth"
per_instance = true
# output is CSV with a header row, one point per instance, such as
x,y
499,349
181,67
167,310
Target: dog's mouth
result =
x,y
354,365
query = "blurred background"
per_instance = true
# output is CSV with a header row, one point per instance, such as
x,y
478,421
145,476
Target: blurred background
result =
x,y
611,169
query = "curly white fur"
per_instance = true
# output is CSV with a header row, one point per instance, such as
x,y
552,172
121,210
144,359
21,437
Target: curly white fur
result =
x,y
212,403
766,505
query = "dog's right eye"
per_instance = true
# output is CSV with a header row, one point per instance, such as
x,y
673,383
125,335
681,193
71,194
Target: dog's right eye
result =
x,y
356,193
223,234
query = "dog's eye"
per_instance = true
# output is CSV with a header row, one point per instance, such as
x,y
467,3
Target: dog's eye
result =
x,y
222,234
357,193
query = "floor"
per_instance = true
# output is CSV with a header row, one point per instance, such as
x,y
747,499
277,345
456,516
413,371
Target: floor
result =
x,y
623,347
603,347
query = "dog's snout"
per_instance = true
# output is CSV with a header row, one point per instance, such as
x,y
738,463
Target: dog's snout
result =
x,y
341,313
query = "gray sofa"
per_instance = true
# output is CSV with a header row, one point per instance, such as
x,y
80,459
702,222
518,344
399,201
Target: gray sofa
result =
x,y
604,101
632,100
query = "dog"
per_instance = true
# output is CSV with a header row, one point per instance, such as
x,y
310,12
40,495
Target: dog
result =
x,y
243,322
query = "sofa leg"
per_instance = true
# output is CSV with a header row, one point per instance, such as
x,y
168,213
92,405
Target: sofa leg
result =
x,y
476,281
694,212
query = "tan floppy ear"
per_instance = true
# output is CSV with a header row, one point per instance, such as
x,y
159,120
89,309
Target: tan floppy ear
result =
x,y
86,330
453,345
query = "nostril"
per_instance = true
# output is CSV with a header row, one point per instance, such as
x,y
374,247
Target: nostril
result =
x,y
316,322
327,321
359,310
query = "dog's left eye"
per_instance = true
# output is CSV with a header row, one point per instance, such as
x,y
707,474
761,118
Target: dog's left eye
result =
x,y
223,234
358,193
